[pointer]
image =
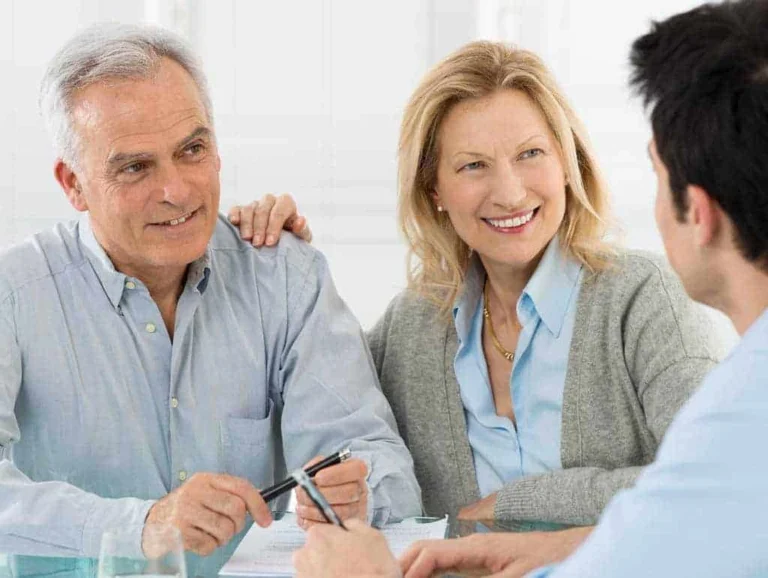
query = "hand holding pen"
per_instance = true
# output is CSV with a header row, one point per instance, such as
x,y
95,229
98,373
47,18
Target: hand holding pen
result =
x,y
343,486
340,480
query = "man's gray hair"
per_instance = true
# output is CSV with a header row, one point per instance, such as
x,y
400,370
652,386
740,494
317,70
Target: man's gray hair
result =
x,y
108,51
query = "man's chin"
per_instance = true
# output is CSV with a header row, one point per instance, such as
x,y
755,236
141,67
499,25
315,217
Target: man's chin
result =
x,y
178,257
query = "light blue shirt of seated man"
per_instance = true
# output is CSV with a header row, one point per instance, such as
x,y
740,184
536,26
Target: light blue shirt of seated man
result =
x,y
699,509
546,309
101,413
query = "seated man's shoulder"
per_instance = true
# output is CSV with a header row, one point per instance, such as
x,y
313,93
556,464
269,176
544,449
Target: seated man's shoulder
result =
x,y
39,257
290,250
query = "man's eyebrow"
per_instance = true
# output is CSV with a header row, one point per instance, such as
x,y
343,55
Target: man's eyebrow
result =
x,y
121,158
201,131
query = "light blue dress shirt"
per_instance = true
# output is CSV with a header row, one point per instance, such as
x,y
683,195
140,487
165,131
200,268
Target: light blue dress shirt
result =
x,y
101,413
700,508
546,310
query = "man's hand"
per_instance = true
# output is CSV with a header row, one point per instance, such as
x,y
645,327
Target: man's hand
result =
x,y
497,554
481,510
331,552
209,509
343,485
261,221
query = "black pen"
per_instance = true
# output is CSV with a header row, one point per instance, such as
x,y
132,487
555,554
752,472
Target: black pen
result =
x,y
289,483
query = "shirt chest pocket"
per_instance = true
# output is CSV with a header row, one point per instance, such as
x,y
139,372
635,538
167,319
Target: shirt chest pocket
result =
x,y
249,446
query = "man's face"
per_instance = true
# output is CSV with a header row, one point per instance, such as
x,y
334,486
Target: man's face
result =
x,y
678,236
148,169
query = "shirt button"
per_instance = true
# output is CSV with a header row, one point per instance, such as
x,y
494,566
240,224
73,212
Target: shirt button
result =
x,y
130,285
174,403
150,327
182,475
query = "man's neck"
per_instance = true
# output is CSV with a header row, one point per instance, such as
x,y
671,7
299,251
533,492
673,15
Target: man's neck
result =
x,y
744,294
165,284
165,288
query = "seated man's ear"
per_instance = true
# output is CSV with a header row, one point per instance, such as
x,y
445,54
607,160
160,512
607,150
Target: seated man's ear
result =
x,y
71,185
704,214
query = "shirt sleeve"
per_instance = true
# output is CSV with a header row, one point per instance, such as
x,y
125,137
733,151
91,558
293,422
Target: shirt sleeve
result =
x,y
332,399
696,511
47,518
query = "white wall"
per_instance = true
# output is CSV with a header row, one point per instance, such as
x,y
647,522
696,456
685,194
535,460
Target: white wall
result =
x,y
308,96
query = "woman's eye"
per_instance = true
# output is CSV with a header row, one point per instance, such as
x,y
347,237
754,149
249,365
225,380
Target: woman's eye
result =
x,y
531,153
473,166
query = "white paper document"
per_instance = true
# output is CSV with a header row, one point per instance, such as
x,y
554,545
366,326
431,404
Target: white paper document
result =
x,y
267,551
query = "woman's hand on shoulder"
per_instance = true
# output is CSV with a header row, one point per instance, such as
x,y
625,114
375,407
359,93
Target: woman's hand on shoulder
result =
x,y
262,220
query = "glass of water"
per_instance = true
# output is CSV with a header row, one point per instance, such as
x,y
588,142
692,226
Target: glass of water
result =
x,y
162,555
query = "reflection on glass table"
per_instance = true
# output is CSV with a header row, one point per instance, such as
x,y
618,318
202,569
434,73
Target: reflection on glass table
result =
x,y
19,566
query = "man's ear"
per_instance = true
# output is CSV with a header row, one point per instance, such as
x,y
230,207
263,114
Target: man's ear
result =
x,y
71,185
705,214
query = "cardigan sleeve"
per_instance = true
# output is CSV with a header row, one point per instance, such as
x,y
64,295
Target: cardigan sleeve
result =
x,y
668,346
574,496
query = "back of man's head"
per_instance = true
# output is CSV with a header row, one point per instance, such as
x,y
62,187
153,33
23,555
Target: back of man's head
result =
x,y
102,52
704,73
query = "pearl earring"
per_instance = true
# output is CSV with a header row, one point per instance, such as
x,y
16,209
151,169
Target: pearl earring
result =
x,y
440,208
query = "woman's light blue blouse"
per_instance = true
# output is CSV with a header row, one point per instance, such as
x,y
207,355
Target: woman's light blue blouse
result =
x,y
504,451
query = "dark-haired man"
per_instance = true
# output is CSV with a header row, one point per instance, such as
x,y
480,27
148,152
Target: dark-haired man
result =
x,y
698,509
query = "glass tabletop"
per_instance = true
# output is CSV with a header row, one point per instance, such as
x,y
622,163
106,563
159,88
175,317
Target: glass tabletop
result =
x,y
23,566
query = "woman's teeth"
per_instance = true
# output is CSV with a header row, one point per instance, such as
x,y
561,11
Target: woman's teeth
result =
x,y
510,223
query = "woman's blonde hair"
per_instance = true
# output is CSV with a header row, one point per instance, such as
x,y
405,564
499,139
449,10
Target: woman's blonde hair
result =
x,y
437,256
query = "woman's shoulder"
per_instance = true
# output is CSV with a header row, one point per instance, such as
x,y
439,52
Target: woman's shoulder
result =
x,y
411,311
628,270
412,328
640,290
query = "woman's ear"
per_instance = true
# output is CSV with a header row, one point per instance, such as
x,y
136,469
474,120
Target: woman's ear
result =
x,y
436,200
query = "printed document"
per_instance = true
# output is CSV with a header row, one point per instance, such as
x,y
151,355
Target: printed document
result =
x,y
267,551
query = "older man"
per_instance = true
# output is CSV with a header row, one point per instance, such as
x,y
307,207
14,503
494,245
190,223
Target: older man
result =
x,y
152,365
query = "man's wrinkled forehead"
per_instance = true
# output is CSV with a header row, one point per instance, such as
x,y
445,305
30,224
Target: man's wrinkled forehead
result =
x,y
167,102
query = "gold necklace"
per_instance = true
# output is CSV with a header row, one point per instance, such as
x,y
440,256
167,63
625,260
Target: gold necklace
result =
x,y
508,355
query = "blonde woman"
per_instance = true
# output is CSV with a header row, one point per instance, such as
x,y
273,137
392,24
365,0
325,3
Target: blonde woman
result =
x,y
532,368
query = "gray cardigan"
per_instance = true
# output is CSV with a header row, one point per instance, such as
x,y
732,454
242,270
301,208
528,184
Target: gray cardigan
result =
x,y
640,347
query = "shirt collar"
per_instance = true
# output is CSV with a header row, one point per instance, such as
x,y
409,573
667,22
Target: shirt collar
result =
x,y
755,334
113,281
199,271
549,289
551,286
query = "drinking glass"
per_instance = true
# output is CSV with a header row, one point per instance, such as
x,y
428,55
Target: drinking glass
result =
x,y
163,555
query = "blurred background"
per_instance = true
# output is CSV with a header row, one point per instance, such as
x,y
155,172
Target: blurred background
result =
x,y
308,96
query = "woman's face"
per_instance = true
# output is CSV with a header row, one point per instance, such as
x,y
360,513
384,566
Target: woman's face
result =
x,y
500,178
